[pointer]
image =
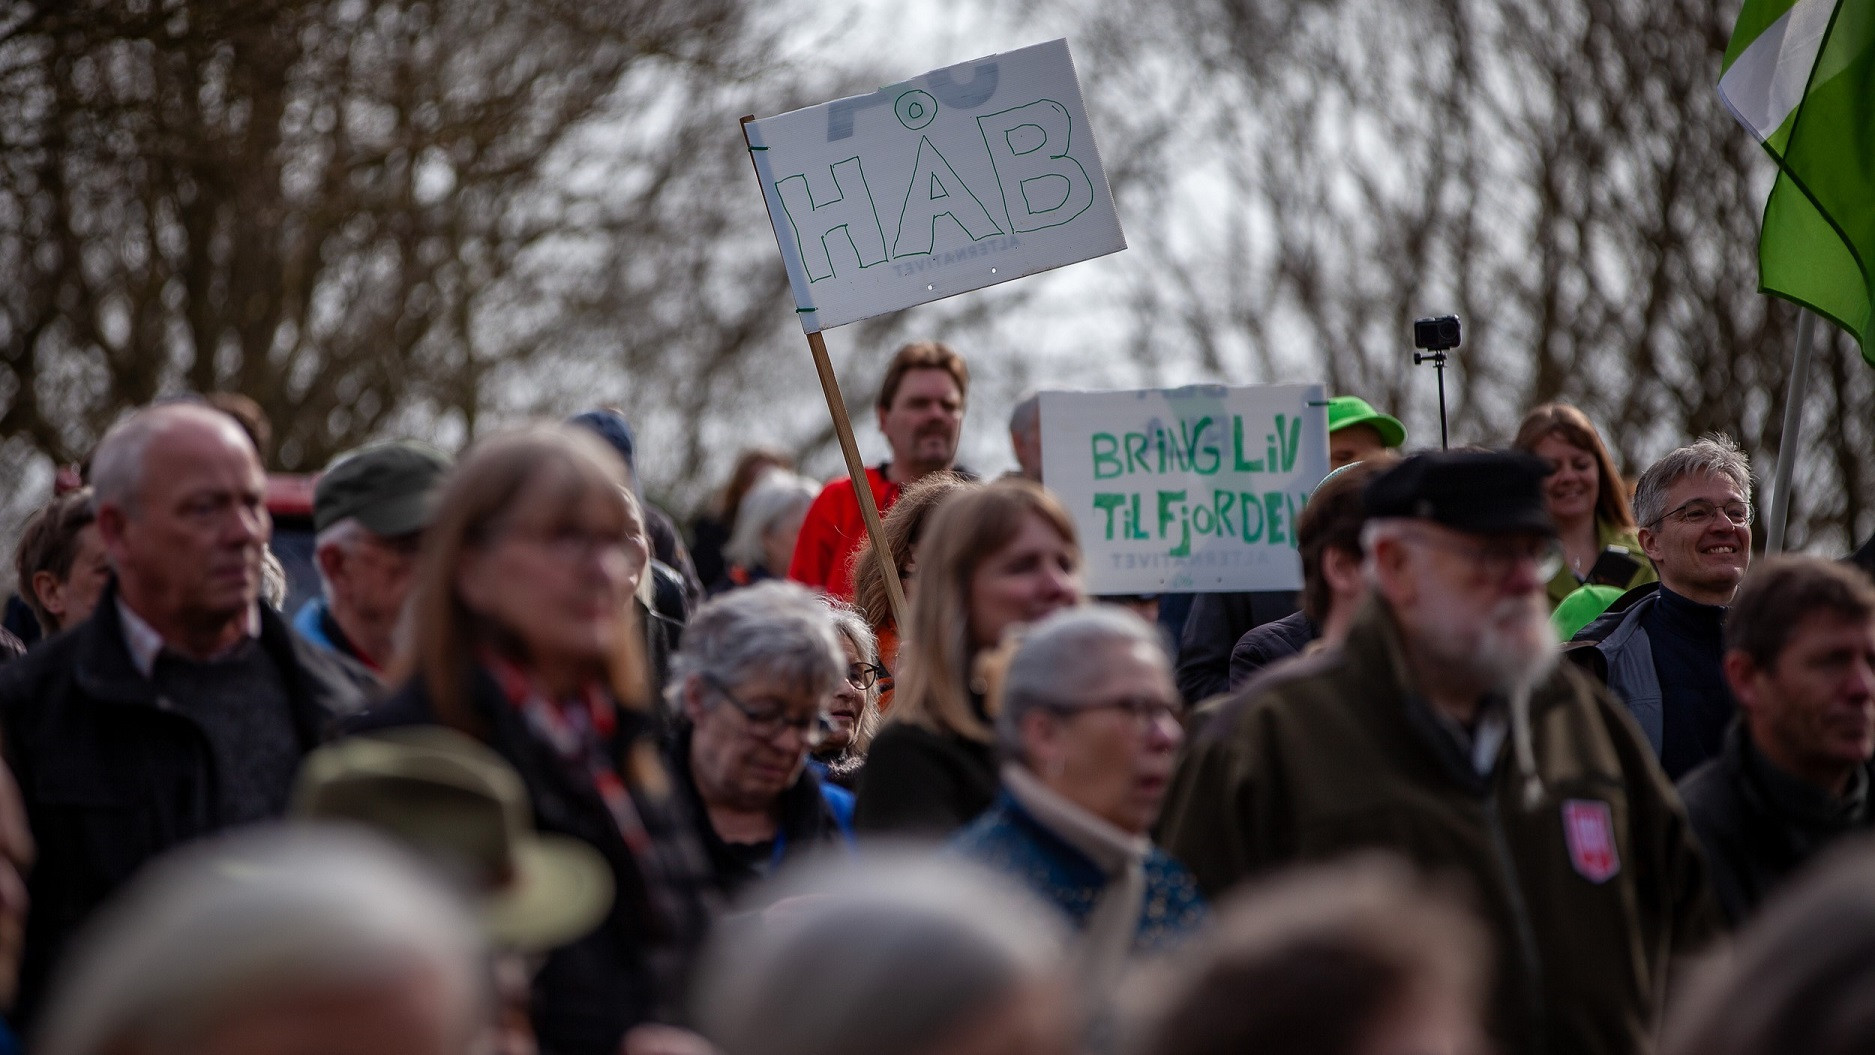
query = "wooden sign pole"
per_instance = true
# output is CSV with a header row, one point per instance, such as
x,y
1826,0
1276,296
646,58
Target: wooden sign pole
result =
x,y
855,467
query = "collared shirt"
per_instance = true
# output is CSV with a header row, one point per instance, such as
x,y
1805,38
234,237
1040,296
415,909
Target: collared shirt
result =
x,y
146,643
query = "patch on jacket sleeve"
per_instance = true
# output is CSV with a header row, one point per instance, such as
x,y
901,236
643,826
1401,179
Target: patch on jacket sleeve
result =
x,y
1589,828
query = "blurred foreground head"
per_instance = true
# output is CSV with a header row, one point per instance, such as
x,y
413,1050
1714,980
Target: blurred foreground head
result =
x,y
275,942
911,954
1799,977
1360,958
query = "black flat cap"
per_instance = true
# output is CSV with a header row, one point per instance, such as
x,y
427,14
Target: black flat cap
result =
x,y
1483,492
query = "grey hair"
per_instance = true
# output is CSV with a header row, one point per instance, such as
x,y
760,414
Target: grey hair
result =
x,y
851,625
1026,416
117,464
774,629
220,924
343,534
926,945
776,495
1712,455
1057,663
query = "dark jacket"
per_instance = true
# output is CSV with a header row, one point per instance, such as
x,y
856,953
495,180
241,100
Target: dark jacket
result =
x,y
113,775
633,968
1759,824
1268,643
1588,890
919,782
1212,629
814,816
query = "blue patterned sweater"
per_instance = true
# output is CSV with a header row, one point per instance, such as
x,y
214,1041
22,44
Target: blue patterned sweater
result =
x,y
1007,839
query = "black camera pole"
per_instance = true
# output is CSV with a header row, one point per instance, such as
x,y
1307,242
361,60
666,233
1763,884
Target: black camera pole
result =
x,y
1437,359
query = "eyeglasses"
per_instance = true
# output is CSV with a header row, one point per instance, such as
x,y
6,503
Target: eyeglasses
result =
x,y
1146,711
1697,513
569,544
1497,557
768,724
864,675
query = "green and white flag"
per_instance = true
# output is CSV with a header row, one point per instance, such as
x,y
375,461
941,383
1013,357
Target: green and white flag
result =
x,y
1800,74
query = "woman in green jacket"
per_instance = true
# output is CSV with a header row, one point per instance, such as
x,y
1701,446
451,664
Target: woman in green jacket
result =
x,y
1585,496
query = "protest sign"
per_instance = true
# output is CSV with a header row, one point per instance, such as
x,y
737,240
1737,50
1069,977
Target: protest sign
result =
x,y
1187,490
958,179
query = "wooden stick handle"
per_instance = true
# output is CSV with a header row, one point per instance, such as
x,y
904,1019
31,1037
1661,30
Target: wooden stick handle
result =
x,y
862,490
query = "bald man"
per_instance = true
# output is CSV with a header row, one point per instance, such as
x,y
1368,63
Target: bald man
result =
x,y
183,705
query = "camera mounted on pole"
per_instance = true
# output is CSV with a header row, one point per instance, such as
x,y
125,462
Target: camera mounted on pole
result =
x,y
1437,336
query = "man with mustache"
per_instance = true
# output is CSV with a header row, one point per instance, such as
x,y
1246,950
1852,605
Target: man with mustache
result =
x,y
183,705
1659,647
1442,729
921,412
1794,776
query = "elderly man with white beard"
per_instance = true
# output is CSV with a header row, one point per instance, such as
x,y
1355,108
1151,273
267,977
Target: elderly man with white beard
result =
x,y
1444,730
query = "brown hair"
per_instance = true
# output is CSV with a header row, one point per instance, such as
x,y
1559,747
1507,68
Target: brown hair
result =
x,y
1333,519
750,465
1780,591
253,419
49,543
1561,419
1313,962
967,528
923,355
904,526
540,466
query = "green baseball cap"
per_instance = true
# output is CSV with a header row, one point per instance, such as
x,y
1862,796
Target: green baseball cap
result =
x,y
1353,410
389,487
463,808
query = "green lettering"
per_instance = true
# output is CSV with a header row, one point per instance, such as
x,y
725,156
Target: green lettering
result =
x,y
1135,451
1134,530
1109,502
1214,459
1249,504
1221,503
1166,512
1238,462
1107,457
1273,505
1291,441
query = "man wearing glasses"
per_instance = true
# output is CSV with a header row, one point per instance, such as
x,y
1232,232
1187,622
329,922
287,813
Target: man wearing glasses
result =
x,y
1443,730
1660,648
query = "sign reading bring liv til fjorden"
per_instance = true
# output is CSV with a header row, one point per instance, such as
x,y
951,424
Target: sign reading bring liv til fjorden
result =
x,y
1187,490
959,179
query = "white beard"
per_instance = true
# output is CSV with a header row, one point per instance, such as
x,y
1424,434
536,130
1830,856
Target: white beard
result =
x,y
1510,651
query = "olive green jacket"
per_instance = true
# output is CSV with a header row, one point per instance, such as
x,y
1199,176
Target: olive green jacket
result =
x,y
1564,582
1588,893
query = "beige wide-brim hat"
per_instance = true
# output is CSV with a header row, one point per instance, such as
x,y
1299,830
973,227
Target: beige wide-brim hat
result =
x,y
463,807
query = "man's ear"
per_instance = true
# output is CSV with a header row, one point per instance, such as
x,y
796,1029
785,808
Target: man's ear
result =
x,y
1650,543
1390,557
49,592
1040,740
1342,569
1741,673
879,414
331,562
111,522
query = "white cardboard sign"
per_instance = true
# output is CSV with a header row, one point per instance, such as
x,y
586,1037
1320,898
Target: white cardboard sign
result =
x,y
1187,490
958,179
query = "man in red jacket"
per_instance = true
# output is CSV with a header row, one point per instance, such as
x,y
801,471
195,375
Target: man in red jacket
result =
x,y
921,411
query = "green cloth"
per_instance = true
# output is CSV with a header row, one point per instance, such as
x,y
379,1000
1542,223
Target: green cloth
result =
x,y
1800,75
1346,411
1580,608
1564,582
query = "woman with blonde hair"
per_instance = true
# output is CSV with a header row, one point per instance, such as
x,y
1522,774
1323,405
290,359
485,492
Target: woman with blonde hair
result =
x,y
524,635
992,557
1585,496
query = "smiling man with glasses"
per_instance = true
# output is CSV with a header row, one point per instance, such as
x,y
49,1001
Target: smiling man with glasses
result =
x,y
1443,730
1660,647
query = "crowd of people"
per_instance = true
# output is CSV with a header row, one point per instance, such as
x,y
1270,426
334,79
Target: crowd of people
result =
x,y
1535,761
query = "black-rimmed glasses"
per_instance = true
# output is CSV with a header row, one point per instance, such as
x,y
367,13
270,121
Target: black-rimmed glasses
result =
x,y
864,676
768,723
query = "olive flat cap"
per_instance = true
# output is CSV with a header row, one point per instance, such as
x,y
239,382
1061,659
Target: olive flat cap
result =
x,y
390,487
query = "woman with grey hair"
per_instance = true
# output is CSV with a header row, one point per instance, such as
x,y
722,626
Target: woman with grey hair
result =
x,y
929,957
1088,732
853,712
767,523
751,685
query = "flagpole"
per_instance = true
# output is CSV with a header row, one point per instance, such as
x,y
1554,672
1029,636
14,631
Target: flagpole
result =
x,y
1793,432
